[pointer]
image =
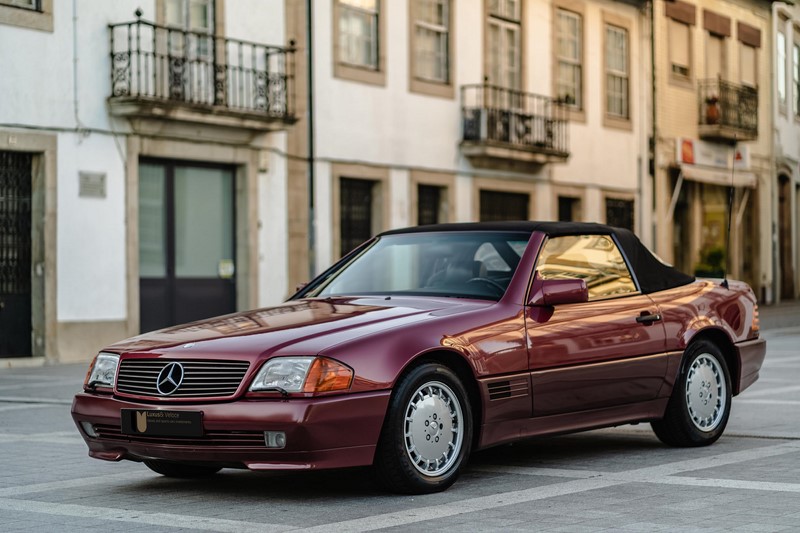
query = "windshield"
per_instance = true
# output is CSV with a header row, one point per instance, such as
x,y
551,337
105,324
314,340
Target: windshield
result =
x,y
472,264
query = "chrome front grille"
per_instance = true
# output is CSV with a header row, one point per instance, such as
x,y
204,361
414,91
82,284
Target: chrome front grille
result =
x,y
201,378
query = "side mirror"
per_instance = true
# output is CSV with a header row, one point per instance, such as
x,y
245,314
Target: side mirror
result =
x,y
558,291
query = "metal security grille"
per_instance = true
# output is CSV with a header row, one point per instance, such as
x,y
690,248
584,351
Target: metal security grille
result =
x,y
15,253
15,222
356,212
619,213
201,379
428,202
497,205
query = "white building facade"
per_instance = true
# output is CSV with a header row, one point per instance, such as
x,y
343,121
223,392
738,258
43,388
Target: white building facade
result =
x,y
141,185
444,111
155,154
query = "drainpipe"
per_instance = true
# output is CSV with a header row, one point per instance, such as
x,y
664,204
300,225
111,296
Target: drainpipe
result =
x,y
653,143
312,244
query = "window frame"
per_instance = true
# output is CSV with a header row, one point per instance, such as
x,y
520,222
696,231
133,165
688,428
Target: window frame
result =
x,y
39,18
352,71
781,85
381,204
504,22
796,71
420,85
612,120
612,238
576,113
444,181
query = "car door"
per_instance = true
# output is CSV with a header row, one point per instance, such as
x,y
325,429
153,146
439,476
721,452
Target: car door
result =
x,y
605,352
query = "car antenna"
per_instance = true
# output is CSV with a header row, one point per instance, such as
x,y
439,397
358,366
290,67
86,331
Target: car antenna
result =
x,y
730,216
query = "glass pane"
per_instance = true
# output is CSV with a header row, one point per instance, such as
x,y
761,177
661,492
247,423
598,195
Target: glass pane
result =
x,y
372,5
781,67
174,14
152,222
593,258
203,222
200,16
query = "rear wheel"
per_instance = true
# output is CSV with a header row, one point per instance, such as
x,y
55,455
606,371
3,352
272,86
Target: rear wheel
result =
x,y
180,470
700,404
427,434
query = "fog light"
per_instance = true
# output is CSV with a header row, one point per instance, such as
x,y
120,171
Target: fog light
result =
x,y
275,439
88,429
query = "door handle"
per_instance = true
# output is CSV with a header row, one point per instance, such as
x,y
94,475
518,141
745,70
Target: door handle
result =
x,y
648,319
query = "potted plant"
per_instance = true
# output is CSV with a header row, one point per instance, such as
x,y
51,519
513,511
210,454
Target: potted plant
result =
x,y
712,109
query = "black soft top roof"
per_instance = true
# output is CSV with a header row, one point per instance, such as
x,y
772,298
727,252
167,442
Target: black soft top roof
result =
x,y
652,274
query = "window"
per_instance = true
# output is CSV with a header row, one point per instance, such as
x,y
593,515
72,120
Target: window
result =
x,y
31,14
749,65
780,56
619,213
505,27
569,51
25,4
715,57
796,77
356,197
680,45
568,209
500,205
593,258
432,40
196,16
358,33
617,72
431,207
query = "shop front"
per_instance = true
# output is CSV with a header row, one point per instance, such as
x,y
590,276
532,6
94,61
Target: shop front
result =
x,y
702,179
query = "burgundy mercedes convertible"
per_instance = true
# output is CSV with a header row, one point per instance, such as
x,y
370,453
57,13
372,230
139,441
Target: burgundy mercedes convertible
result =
x,y
427,343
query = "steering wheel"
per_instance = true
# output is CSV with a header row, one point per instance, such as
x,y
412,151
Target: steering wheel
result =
x,y
490,282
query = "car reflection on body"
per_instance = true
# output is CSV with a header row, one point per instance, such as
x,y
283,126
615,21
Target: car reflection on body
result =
x,y
427,343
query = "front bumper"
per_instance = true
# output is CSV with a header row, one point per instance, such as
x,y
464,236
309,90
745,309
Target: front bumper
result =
x,y
331,432
751,356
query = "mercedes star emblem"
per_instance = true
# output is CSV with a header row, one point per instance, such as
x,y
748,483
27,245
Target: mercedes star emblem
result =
x,y
169,379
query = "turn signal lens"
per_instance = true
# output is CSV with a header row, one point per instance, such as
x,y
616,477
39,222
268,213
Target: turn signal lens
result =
x,y
327,375
756,323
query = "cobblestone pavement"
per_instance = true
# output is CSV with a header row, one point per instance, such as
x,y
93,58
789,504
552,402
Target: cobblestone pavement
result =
x,y
613,479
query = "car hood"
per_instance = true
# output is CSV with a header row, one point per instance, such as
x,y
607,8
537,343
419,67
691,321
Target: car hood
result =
x,y
298,327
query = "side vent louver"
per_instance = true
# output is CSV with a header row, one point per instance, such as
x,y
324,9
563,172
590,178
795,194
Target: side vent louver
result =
x,y
512,388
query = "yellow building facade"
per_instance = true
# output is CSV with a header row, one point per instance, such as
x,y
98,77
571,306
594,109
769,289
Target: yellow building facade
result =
x,y
712,127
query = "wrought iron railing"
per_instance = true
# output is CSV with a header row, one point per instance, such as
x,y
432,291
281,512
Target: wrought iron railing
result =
x,y
722,103
497,115
152,62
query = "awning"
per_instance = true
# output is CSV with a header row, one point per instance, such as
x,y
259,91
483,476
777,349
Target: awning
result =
x,y
718,176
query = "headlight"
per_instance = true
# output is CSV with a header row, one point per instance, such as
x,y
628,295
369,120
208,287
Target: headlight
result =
x,y
102,370
302,374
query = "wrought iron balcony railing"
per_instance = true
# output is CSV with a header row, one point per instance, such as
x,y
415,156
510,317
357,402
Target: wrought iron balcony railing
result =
x,y
168,65
496,116
727,111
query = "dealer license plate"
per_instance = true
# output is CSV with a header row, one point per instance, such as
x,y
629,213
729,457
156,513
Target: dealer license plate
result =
x,y
162,423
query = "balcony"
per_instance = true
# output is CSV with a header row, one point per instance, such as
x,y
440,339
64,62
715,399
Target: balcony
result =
x,y
507,129
168,78
727,112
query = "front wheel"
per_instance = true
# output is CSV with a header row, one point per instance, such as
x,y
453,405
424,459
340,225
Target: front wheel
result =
x,y
180,470
427,433
700,404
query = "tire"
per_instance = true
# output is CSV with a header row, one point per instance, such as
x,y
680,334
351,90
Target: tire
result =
x,y
427,433
700,405
181,470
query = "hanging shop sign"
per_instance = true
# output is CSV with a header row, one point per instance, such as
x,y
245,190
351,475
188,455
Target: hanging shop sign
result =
x,y
710,163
